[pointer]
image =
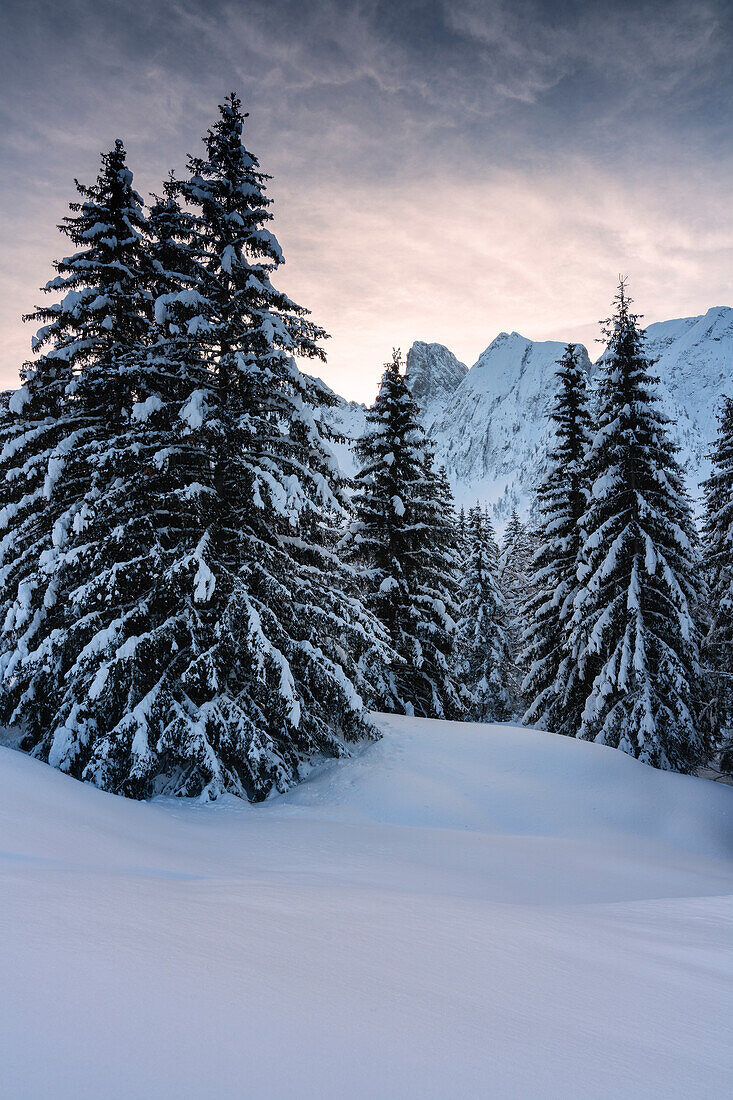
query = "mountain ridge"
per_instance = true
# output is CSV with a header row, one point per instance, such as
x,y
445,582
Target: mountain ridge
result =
x,y
489,423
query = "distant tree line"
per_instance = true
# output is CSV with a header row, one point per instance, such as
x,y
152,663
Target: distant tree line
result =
x,y
194,599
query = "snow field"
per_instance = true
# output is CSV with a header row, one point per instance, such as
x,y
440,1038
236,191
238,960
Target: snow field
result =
x,y
457,911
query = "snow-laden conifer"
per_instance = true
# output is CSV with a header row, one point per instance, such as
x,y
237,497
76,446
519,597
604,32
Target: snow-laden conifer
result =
x,y
462,533
515,566
208,636
718,535
634,635
443,562
404,542
485,660
51,436
551,687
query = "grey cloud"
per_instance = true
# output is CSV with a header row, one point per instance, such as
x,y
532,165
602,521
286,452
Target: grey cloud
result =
x,y
362,102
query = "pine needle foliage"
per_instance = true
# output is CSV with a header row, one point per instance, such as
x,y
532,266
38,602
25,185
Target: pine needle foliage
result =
x,y
484,649
717,650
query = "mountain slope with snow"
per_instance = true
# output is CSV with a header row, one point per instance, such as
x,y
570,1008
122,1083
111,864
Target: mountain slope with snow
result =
x,y
493,432
694,364
458,910
490,426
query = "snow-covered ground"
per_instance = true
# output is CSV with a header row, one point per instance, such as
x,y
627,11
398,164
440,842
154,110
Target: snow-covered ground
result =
x,y
459,911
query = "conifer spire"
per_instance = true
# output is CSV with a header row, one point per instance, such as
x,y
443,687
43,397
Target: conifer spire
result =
x,y
403,541
718,641
515,563
555,698
484,649
53,430
634,635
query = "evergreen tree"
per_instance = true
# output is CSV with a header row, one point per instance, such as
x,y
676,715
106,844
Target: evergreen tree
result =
x,y
718,642
207,638
554,694
442,524
462,533
402,539
515,566
485,657
515,561
51,433
634,635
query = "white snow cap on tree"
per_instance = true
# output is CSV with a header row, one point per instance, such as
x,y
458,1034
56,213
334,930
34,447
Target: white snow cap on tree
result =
x,y
553,690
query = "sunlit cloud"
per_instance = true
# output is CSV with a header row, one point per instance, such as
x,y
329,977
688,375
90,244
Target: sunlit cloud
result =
x,y
442,171
539,256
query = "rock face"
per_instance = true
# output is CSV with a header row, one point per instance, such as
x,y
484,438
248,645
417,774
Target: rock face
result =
x,y
433,374
489,424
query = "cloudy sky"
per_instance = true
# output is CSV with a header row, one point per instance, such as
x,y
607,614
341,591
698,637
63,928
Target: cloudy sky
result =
x,y
442,170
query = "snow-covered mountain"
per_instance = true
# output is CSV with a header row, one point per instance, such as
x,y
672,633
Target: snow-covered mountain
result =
x,y
489,423
492,432
694,364
347,420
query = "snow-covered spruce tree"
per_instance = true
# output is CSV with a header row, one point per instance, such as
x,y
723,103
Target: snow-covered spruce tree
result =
x,y
634,635
462,533
49,434
516,555
211,641
443,528
441,569
485,660
404,547
554,694
717,651
515,565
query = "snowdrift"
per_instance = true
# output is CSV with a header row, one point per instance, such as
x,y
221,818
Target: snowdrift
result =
x,y
460,910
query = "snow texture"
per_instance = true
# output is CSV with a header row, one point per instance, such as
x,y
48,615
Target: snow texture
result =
x,y
461,911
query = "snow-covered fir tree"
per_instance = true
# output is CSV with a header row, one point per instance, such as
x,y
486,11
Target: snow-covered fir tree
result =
x,y
206,637
50,433
515,567
462,532
634,634
554,694
404,543
516,553
485,659
717,650
442,523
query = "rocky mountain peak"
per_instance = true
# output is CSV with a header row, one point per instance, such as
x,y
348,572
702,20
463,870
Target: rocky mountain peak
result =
x,y
433,374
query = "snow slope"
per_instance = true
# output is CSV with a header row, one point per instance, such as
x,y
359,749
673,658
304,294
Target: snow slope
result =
x,y
694,363
459,911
